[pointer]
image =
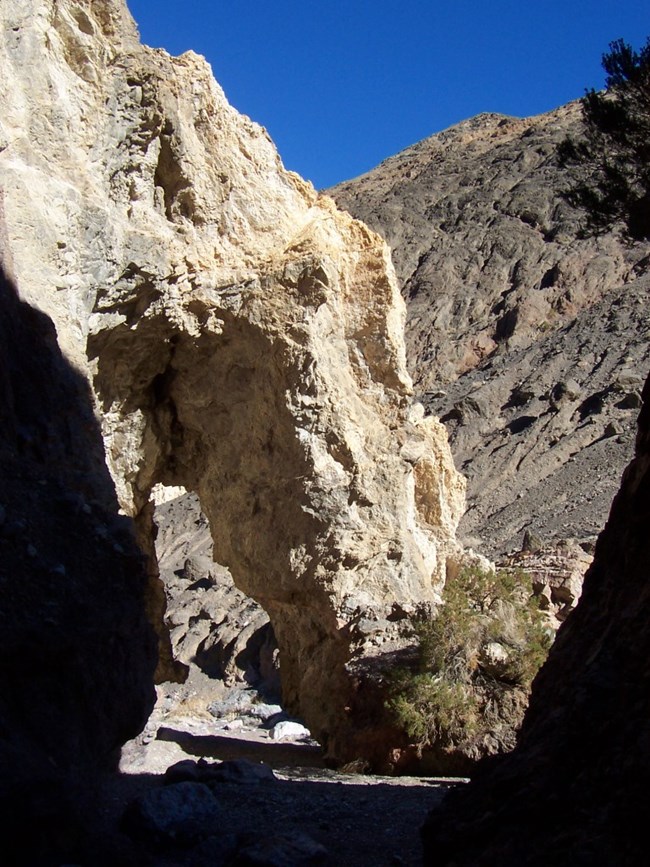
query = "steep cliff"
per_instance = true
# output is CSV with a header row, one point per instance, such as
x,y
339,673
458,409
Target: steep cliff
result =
x,y
527,339
574,791
242,338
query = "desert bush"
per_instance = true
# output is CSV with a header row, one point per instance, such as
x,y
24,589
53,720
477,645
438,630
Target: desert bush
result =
x,y
488,640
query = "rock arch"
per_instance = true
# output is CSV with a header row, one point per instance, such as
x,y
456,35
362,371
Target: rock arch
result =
x,y
326,500
243,338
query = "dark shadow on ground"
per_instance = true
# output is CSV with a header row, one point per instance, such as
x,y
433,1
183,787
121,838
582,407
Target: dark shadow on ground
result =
x,y
276,755
359,821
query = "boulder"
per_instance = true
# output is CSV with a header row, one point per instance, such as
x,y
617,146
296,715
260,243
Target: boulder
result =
x,y
289,730
179,814
241,771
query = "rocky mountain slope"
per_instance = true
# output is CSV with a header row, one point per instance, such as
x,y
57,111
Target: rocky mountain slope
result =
x,y
531,341
239,336
528,340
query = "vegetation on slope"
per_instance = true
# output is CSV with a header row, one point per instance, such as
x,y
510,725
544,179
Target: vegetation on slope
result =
x,y
616,149
476,661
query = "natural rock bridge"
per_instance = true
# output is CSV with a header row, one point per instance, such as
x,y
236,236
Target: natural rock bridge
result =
x,y
241,336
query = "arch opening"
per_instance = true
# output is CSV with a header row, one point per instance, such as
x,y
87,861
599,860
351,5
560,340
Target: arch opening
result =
x,y
222,636
211,413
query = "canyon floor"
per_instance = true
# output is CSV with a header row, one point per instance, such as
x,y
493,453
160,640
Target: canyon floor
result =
x,y
303,813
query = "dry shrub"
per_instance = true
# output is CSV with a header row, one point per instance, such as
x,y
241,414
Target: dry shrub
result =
x,y
475,663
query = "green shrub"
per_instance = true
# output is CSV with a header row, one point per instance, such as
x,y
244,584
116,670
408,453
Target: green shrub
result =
x,y
434,710
487,640
613,154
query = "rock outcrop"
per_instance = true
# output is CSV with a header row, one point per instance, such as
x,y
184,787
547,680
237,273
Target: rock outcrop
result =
x,y
527,339
574,790
557,574
242,338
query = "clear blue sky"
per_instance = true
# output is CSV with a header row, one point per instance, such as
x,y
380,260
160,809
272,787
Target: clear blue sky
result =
x,y
340,86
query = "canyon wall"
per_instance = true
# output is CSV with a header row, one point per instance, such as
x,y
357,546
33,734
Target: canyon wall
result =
x,y
526,337
574,789
241,338
77,655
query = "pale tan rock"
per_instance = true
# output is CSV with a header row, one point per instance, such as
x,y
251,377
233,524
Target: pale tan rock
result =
x,y
494,658
242,337
557,572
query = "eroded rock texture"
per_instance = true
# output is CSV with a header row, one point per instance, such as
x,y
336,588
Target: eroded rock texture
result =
x,y
545,432
212,624
242,337
575,789
529,341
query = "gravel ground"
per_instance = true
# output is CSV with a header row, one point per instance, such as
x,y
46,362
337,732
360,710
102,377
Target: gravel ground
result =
x,y
358,819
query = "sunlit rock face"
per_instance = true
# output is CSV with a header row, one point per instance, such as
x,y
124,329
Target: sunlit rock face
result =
x,y
242,339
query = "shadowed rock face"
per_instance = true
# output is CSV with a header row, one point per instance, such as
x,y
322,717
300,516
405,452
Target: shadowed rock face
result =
x,y
529,341
574,790
76,653
213,625
243,339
